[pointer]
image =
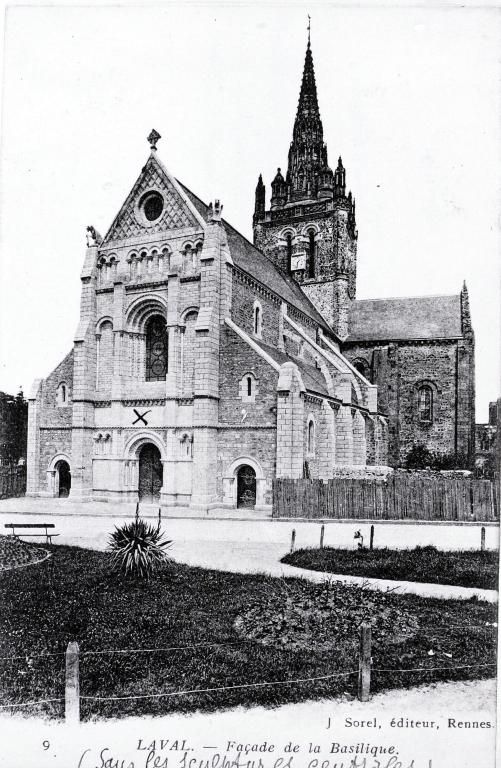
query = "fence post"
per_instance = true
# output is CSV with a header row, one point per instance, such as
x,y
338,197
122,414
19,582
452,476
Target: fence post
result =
x,y
72,685
364,663
322,531
371,541
293,540
482,539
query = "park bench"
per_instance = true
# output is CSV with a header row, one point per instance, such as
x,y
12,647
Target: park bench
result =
x,y
31,526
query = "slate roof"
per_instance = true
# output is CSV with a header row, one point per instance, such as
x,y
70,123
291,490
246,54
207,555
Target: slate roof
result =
x,y
410,317
251,260
313,378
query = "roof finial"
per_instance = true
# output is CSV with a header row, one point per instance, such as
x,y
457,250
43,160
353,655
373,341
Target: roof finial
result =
x,y
153,138
309,28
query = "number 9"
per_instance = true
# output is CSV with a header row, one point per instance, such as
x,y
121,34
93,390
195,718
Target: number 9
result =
x,y
46,745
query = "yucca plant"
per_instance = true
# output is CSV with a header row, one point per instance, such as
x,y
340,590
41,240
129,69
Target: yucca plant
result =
x,y
138,548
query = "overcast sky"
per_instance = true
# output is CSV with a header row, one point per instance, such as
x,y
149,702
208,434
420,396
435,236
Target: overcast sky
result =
x,y
409,97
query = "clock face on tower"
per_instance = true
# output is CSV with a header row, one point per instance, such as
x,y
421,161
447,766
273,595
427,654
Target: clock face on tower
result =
x,y
298,262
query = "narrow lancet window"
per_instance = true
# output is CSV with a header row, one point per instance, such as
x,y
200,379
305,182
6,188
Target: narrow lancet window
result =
x,y
425,404
289,253
311,260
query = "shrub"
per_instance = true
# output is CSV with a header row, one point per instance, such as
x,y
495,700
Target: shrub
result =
x,y
488,468
419,457
449,461
138,548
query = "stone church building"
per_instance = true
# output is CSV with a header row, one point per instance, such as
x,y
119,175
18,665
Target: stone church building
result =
x,y
204,366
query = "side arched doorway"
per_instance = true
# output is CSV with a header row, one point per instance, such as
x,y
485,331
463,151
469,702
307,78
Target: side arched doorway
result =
x,y
150,474
63,479
246,487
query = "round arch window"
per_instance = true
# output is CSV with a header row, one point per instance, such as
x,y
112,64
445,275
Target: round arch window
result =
x,y
153,206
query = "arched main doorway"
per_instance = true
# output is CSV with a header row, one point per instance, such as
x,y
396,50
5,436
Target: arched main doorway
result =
x,y
150,473
246,486
63,479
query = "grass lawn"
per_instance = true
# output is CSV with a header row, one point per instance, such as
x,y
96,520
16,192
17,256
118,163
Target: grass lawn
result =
x,y
268,629
423,564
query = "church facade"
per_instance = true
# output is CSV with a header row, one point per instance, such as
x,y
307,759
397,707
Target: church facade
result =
x,y
204,366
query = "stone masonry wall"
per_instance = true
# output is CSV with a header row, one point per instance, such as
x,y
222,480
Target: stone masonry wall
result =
x,y
313,412
257,444
105,359
332,286
237,359
52,442
398,370
290,423
466,401
52,414
322,296
244,293
242,311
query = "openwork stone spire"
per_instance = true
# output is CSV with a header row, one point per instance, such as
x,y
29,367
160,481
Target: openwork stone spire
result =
x,y
307,153
308,123
309,230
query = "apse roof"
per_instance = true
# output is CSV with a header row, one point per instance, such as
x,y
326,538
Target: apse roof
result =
x,y
409,317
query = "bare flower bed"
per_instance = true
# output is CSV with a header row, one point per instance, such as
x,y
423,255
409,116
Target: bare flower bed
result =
x,y
193,629
423,564
15,552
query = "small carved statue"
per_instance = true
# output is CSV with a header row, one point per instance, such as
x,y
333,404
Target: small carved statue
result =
x,y
93,237
215,211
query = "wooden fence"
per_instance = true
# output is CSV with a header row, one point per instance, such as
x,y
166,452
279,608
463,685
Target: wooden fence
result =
x,y
399,496
12,481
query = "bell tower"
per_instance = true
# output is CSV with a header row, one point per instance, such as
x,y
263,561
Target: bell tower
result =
x,y
309,230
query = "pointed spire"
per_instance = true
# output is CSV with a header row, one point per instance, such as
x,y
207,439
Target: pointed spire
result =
x,y
466,325
340,179
307,153
308,100
260,196
278,190
352,223
308,175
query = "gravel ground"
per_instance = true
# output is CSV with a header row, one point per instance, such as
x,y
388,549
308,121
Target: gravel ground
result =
x,y
252,546
299,724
